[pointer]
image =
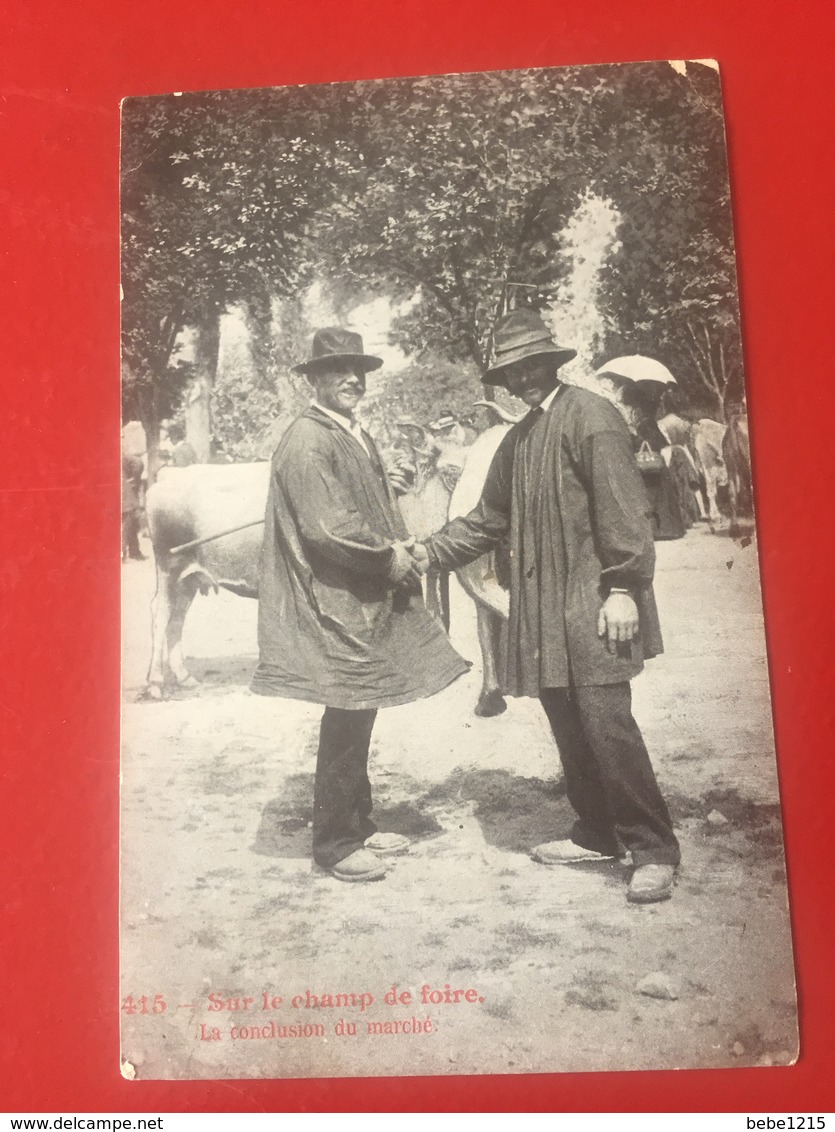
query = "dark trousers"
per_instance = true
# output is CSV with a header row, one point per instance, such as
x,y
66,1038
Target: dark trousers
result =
x,y
608,776
342,792
130,535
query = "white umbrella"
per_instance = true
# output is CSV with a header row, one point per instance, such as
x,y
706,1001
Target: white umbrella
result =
x,y
636,367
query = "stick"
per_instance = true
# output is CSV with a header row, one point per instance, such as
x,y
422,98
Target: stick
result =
x,y
211,538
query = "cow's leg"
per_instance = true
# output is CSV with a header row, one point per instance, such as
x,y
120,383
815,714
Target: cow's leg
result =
x,y
733,504
711,484
701,497
433,595
443,595
160,615
184,592
437,595
490,701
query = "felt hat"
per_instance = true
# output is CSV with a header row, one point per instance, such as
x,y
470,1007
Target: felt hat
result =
x,y
523,334
332,344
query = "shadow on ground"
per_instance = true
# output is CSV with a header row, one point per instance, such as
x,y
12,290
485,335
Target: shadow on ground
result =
x,y
514,813
285,826
217,675
734,815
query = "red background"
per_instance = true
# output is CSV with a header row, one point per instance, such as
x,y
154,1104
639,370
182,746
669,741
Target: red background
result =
x,y
66,67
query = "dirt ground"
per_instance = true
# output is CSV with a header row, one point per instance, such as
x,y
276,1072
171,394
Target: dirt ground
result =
x,y
220,897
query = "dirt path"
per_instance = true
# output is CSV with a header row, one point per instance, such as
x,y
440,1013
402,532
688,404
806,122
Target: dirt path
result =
x,y
219,895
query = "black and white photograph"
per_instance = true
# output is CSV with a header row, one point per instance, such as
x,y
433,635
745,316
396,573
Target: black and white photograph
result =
x,y
447,742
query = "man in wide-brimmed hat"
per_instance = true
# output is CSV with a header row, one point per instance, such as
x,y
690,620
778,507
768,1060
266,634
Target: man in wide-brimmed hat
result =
x,y
341,620
565,488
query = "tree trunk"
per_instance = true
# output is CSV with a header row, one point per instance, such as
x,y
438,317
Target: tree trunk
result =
x,y
291,345
258,318
149,417
198,399
151,426
198,418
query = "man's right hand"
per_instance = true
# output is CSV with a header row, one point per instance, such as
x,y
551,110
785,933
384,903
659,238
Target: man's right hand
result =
x,y
404,570
421,556
618,622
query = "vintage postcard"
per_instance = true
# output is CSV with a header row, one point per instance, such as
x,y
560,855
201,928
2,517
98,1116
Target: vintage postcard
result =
x,y
447,742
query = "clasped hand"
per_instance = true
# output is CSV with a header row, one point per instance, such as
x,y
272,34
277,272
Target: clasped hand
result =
x,y
618,620
409,561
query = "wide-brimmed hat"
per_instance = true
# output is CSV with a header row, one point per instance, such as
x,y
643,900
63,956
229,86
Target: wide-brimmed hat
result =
x,y
519,335
332,344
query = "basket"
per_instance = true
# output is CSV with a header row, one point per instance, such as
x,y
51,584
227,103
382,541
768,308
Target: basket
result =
x,y
649,461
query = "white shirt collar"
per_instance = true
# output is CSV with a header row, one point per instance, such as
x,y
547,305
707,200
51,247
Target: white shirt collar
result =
x,y
546,403
350,426
340,418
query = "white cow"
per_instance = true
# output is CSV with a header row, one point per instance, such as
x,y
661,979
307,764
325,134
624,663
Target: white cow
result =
x,y
187,505
707,438
480,579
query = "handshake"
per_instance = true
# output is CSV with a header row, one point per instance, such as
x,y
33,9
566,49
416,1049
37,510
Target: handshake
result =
x,y
410,561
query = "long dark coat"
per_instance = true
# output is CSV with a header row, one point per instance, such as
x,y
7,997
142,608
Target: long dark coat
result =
x,y
686,484
331,629
665,514
565,488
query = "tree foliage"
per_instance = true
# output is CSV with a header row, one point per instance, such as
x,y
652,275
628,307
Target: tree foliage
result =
x,y
465,194
443,191
218,191
671,291
473,188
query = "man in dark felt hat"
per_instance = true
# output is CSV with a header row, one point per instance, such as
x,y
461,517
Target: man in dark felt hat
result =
x,y
341,620
565,488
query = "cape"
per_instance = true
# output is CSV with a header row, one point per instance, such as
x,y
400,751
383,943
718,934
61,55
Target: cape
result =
x,y
331,628
565,490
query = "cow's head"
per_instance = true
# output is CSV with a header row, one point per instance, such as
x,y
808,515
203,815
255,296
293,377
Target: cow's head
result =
x,y
441,453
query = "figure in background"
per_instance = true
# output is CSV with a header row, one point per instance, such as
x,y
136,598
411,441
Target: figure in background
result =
x,y
132,469
182,453
636,385
685,480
